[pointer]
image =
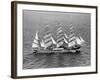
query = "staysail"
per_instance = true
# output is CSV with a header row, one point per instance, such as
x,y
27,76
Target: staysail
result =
x,y
35,43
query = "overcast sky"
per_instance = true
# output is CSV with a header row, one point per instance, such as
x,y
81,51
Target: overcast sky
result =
x,y
38,20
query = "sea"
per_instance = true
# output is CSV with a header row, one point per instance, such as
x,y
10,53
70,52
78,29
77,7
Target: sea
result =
x,y
57,60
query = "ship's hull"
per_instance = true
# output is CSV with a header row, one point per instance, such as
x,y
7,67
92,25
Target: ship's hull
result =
x,y
55,51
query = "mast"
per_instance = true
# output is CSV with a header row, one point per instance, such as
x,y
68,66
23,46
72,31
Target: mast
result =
x,y
72,38
60,37
47,38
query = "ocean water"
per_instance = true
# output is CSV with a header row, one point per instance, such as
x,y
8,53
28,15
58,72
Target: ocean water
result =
x,y
34,61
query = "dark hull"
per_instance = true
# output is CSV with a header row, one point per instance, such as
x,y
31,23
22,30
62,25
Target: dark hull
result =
x,y
52,51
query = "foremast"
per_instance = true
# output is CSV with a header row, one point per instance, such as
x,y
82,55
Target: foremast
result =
x,y
61,38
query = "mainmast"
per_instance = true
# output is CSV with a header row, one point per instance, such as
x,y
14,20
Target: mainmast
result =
x,y
60,37
72,38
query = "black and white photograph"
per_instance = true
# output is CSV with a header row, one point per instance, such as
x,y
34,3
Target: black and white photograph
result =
x,y
53,39
56,39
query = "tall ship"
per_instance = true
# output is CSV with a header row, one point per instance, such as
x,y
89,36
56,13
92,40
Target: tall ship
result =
x,y
62,43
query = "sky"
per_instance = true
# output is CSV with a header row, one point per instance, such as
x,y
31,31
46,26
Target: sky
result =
x,y
37,21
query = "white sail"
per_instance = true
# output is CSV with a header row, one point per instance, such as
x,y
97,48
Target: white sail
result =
x,y
65,35
71,28
48,35
35,43
71,35
59,31
71,44
60,36
60,39
47,39
72,38
42,44
82,41
36,37
54,42
65,41
48,44
59,28
78,41
59,44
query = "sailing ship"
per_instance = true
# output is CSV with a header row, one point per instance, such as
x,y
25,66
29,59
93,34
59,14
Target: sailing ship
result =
x,y
62,44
